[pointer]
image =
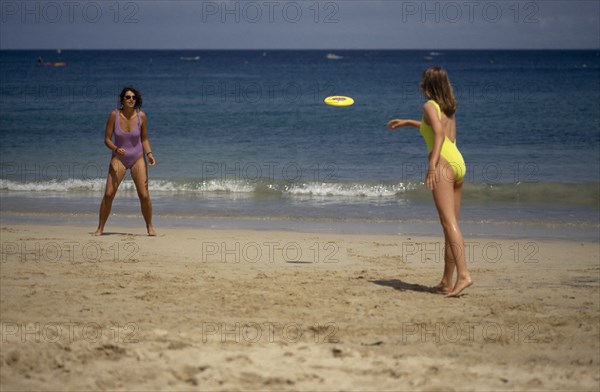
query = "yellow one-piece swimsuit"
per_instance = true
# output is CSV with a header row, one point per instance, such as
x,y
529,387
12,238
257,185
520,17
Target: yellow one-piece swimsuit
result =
x,y
449,150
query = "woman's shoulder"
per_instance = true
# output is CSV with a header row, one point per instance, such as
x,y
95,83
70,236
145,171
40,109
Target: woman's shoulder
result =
x,y
432,108
431,105
431,102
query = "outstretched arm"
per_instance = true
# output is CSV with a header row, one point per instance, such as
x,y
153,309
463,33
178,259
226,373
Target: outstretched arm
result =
x,y
399,123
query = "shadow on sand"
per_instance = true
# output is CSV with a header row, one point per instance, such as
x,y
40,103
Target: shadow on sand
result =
x,y
404,286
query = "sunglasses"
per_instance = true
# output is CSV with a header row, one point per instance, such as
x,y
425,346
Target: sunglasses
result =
x,y
130,97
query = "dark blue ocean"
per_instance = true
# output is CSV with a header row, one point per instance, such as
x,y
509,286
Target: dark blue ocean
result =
x,y
244,136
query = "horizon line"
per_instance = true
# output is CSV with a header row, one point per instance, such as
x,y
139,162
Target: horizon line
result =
x,y
302,49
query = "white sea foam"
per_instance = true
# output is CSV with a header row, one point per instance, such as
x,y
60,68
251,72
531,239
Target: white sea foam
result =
x,y
70,185
346,190
574,194
97,185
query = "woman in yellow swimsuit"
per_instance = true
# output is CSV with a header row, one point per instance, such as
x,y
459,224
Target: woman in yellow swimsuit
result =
x,y
446,172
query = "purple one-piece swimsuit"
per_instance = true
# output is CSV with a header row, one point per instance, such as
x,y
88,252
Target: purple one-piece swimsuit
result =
x,y
131,141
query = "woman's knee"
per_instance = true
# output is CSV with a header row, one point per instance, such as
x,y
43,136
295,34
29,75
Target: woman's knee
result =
x,y
144,195
449,224
109,195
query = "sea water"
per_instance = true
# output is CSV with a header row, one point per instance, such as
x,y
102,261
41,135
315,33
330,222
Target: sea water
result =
x,y
243,139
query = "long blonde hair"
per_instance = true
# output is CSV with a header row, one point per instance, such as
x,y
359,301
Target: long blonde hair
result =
x,y
436,85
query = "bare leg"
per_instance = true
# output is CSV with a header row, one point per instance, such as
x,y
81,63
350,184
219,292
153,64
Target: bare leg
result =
x,y
116,173
445,286
139,174
445,195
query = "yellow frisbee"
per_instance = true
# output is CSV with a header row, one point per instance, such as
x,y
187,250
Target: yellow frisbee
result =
x,y
338,100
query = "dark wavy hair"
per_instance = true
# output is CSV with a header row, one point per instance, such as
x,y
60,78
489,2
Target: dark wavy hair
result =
x,y
436,85
138,97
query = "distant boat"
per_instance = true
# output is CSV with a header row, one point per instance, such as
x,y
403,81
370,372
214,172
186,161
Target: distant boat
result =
x,y
42,63
434,53
55,64
184,58
333,56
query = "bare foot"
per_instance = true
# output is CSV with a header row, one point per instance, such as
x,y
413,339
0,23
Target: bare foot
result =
x,y
442,288
98,232
151,231
460,285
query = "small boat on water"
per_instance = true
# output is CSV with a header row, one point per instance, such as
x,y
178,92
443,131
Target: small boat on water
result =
x,y
55,64
43,63
333,56
189,58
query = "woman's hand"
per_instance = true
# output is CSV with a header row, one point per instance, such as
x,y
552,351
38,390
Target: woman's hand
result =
x,y
399,123
396,123
431,178
151,159
120,151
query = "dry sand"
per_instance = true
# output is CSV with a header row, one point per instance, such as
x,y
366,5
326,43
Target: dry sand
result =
x,y
200,309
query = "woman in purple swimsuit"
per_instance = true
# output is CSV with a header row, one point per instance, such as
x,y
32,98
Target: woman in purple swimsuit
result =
x,y
129,126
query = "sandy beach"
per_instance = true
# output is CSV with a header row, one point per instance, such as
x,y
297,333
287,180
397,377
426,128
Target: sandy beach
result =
x,y
201,309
